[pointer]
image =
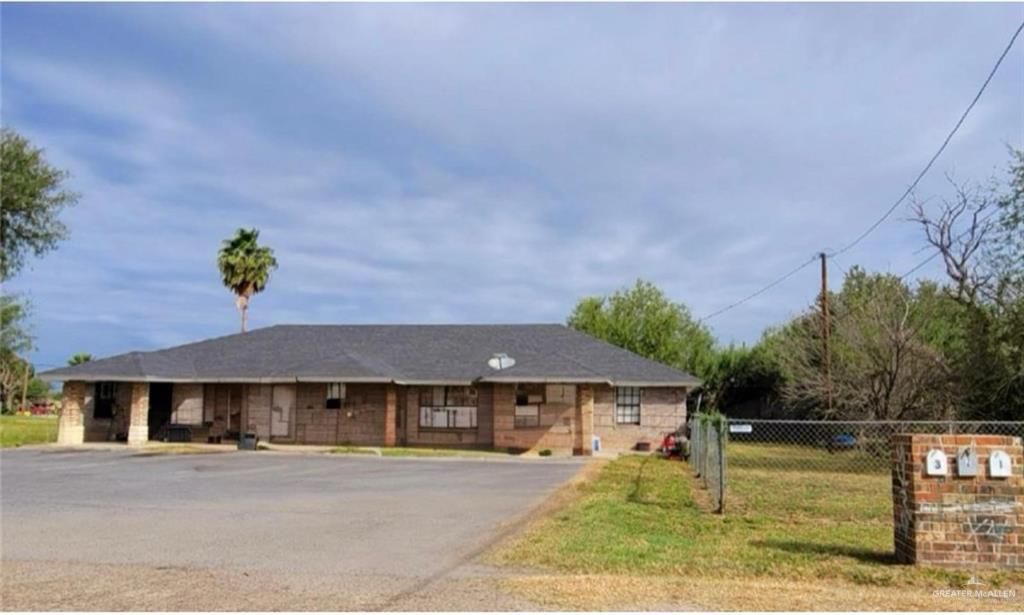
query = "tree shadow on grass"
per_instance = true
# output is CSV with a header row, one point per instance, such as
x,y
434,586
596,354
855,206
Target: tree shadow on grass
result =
x,y
871,556
638,480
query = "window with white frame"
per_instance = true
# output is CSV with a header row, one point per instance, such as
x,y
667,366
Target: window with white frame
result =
x,y
529,397
627,405
335,396
448,407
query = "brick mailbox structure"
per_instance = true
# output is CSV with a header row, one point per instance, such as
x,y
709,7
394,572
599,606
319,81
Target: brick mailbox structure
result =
x,y
954,512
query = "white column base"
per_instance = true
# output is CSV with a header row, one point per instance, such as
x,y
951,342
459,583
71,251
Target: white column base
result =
x,y
70,435
138,435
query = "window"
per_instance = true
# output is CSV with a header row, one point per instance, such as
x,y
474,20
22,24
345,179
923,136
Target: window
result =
x,y
627,405
335,395
529,393
448,407
527,416
529,397
106,394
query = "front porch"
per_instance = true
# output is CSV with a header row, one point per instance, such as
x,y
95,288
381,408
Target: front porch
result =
x,y
564,418
219,413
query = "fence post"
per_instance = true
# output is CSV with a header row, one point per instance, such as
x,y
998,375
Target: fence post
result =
x,y
707,441
720,428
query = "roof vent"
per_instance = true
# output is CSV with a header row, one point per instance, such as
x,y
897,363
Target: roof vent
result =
x,y
500,360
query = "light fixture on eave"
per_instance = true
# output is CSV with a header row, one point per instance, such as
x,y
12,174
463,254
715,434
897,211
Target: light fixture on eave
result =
x,y
500,360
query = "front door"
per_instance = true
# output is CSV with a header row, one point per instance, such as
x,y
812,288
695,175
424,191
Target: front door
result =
x,y
159,408
282,410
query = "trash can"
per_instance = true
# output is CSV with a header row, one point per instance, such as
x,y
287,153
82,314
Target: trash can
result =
x,y
248,442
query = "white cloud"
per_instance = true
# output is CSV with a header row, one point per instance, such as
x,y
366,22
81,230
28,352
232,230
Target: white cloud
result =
x,y
443,163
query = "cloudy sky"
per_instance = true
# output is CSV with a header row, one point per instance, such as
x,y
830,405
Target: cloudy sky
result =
x,y
485,163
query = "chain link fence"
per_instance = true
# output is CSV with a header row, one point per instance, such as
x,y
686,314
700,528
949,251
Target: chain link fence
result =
x,y
809,457
837,446
707,455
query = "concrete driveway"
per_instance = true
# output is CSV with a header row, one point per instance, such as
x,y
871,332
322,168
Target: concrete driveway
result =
x,y
115,530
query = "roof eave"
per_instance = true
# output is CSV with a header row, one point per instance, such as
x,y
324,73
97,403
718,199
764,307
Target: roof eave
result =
x,y
658,383
99,377
543,379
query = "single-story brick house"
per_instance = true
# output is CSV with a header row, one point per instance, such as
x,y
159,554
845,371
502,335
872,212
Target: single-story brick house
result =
x,y
515,387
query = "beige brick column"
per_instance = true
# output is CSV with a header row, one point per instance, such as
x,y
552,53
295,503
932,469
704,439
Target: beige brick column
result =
x,y
585,414
138,425
71,426
390,414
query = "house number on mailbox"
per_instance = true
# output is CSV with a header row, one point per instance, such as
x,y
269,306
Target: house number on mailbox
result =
x,y
967,462
936,463
999,464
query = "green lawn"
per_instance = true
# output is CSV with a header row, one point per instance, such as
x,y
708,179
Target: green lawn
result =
x,y
21,430
643,515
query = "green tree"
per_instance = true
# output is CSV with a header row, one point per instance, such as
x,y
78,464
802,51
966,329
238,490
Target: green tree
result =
x,y
645,321
15,343
245,268
31,199
743,379
37,390
884,367
979,233
78,358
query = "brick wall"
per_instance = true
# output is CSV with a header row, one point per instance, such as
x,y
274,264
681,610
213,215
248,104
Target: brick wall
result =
x,y
256,409
360,421
557,421
953,520
413,435
138,425
662,410
71,423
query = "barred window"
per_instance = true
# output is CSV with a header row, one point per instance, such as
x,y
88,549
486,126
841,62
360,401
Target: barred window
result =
x,y
448,407
529,397
627,405
527,416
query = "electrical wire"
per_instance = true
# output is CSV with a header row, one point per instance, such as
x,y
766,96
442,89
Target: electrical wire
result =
x,y
941,149
761,290
938,252
892,208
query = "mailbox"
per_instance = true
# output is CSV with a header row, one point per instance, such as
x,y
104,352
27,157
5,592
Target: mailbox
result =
x,y
936,463
967,462
999,464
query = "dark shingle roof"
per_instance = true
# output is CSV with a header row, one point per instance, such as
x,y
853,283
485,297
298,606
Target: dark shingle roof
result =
x,y
386,353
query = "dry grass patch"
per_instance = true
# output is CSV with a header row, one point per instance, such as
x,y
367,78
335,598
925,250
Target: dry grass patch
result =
x,y
679,593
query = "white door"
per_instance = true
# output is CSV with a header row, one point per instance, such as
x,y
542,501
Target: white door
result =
x,y
281,410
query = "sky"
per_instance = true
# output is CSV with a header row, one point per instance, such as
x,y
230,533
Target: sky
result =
x,y
486,163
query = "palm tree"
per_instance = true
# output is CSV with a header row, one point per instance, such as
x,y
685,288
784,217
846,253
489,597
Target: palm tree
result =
x,y
78,358
245,267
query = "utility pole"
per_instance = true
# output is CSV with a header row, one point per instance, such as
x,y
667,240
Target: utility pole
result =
x,y
826,333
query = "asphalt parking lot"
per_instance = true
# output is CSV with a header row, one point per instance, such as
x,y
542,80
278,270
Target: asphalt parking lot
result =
x,y
85,530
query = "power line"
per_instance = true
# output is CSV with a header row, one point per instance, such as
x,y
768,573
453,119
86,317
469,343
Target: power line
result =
x,y
919,265
942,148
762,289
891,209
